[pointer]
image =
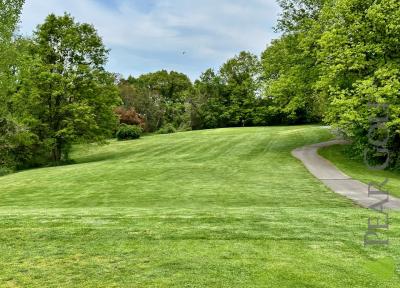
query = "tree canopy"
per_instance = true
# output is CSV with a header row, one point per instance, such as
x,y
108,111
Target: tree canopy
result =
x,y
339,60
63,93
334,61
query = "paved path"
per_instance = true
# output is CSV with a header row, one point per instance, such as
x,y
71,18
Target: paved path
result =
x,y
336,180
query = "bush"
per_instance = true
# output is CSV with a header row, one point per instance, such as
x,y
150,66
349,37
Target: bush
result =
x,y
167,129
5,170
128,132
130,117
184,127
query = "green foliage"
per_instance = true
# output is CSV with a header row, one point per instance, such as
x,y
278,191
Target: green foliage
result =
x,y
290,74
290,63
10,11
334,60
231,97
5,170
158,97
18,146
166,129
360,58
10,131
128,132
297,15
241,78
65,96
208,102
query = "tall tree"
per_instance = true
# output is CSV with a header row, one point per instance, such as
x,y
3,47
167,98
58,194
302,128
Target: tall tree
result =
x,y
67,96
209,102
360,56
291,69
290,75
241,76
10,11
297,15
11,133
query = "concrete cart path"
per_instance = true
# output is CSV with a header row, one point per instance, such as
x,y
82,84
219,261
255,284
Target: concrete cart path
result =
x,y
336,180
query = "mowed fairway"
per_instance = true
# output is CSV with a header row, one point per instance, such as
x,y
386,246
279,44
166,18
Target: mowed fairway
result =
x,y
212,208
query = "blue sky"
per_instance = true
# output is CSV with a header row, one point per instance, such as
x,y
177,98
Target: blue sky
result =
x,y
149,35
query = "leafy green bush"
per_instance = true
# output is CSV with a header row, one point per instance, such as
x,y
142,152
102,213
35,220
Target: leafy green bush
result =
x,y
167,129
128,132
184,127
5,171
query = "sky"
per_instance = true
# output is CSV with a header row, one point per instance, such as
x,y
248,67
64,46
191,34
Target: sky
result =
x,y
187,36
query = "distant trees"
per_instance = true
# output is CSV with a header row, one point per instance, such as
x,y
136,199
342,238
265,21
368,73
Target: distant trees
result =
x,y
172,89
241,79
231,97
208,102
158,97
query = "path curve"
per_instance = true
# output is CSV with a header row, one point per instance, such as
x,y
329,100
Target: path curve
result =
x,y
336,180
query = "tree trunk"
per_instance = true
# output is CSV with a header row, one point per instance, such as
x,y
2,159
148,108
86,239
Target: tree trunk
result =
x,y
56,153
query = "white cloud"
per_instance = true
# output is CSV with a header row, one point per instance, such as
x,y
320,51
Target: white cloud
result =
x,y
147,35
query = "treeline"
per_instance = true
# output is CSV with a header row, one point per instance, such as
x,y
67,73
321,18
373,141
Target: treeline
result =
x,y
340,59
337,61
234,96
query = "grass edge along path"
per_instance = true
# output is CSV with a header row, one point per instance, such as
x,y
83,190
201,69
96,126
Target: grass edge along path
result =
x,y
356,168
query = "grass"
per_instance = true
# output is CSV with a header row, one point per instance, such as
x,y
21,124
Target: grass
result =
x,y
212,208
356,169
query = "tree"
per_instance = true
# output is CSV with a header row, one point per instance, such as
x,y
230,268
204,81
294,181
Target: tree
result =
x,y
231,97
67,96
10,11
208,102
241,76
298,15
291,69
290,74
360,57
171,87
159,97
12,134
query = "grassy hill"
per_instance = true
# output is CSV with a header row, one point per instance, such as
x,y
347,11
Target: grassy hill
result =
x,y
212,208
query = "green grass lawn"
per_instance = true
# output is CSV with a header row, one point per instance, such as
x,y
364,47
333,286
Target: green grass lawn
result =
x,y
212,208
356,169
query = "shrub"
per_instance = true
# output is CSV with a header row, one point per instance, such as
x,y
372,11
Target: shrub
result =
x,y
128,132
129,116
167,129
184,127
5,170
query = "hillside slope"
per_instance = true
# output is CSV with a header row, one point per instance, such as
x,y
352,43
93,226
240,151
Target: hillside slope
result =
x,y
212,208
